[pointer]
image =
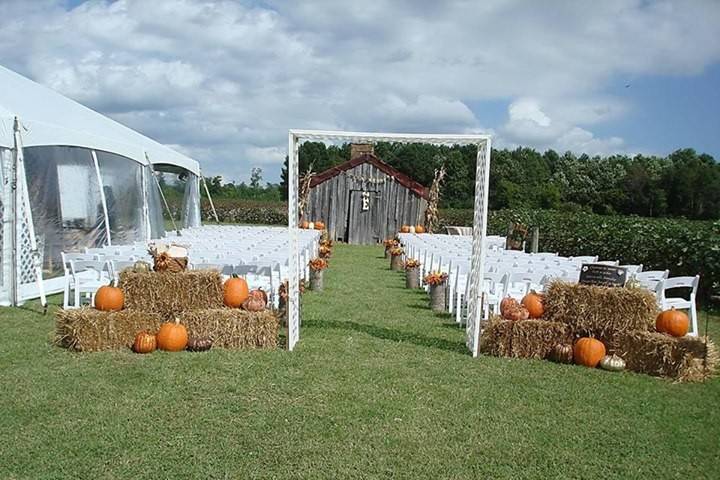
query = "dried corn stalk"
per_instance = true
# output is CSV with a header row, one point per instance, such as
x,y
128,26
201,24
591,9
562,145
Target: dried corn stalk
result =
x,y
431,213
305,191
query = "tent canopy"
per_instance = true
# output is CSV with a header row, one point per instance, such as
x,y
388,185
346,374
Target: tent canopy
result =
x,y
49,118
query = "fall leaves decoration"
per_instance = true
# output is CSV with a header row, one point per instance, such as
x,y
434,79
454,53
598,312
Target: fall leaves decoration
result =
x,y
435,278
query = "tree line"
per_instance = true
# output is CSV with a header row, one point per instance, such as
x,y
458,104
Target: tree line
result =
x,y
682,184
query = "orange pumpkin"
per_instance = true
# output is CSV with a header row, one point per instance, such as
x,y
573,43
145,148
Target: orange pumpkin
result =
x,y
109,298
534,303
588,352
419,229
304,224
235,292
319,225
144,343
172,336
405,229
673,322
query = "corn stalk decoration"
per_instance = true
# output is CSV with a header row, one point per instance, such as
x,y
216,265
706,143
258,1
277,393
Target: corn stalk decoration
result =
x,y
305,191
431,213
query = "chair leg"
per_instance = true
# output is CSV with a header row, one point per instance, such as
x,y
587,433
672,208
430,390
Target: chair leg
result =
x,y
693,318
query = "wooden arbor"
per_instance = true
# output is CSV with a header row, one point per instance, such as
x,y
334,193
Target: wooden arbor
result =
x,y
482,172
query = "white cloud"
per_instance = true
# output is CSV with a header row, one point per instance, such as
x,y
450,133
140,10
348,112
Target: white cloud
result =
x,y
224,79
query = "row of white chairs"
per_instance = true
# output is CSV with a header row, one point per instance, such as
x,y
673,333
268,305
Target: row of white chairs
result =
x,y
259,254
514,273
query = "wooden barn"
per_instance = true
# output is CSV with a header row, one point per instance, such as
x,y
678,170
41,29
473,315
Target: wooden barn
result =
x,y
364,200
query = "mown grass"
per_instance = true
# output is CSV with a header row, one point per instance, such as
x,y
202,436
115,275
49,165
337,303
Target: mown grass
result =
x,y
378,387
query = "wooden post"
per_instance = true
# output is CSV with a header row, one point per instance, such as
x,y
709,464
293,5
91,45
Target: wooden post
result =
x,y
535,242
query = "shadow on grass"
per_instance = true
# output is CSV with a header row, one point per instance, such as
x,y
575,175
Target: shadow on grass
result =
x,y
384,333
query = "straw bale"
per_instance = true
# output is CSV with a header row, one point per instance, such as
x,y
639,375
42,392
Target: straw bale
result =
x,y
682,359
523,339
171,294
600,312
233,328
89,330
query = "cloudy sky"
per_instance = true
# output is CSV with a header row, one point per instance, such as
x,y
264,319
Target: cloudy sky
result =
x,y
224,80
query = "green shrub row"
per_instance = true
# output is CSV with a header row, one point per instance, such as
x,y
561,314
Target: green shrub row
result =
x,y
685,247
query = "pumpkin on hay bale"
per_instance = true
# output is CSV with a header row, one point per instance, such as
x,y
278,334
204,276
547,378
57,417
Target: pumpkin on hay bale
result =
x,y
171,295
233,328
680,358
600,312
89,330
523,339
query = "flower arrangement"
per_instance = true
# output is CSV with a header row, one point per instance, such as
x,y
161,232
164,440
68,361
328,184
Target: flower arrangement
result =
x,y
318,264
435,278
412,263
324,251
326,243
395,251
391,243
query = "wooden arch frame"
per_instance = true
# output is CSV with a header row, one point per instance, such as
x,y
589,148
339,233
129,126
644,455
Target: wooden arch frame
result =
x,y
479,248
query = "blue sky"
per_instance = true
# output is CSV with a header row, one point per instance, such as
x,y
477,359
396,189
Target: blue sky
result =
x,y
223,80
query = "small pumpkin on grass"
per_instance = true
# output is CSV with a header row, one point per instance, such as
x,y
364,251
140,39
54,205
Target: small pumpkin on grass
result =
x,y
200,344
145,342
588,352
533,301
235,291
172,336
562,353
673,322
612,363
109,298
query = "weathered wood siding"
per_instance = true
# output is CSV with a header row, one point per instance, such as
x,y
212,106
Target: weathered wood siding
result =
x,y
391,206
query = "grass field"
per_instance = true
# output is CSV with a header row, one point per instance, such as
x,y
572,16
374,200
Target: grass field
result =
x,y
378,387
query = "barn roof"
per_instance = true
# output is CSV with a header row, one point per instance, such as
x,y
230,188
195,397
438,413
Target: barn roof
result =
x,y
400,177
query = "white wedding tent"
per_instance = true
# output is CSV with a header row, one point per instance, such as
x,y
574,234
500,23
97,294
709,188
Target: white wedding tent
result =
x,y
71,178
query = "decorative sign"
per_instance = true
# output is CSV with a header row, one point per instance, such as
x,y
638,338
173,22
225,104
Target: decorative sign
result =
x,y
602,275
365,201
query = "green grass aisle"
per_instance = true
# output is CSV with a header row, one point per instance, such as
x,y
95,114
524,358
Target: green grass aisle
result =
x,y
378,387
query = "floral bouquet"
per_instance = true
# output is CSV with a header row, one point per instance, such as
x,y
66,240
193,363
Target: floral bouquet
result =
x,y
435,278
318,264
412,263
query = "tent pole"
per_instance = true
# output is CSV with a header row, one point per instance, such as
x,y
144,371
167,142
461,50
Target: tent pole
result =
x,y
103,200
207,192
20,175
146,208
162,195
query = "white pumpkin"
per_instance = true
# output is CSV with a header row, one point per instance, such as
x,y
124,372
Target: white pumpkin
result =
x,y
412,229
311,225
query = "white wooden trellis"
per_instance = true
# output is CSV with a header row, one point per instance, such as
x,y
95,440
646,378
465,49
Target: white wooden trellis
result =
x,y
482,172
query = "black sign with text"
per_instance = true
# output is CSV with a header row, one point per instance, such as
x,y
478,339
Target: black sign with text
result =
x,y
602,275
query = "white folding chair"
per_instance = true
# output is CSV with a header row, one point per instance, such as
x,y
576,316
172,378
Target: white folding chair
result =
x,y
650,279
680,303
88,277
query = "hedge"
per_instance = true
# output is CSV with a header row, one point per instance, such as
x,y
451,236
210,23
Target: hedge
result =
x,y
685,247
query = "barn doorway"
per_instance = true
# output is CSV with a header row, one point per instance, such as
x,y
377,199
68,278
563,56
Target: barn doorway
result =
x,y
363,220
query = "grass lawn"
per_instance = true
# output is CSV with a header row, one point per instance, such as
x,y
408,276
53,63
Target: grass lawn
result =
x,y
378,387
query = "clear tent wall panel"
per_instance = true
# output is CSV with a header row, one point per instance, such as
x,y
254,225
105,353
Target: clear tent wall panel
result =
x,y
65,202
6,217
122,180
191,202
155,206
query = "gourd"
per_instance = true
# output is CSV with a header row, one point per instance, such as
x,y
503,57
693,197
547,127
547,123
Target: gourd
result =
x,y
412,229
534,303
612,363
319,225
201,344
172,336
235,291
405,229
259,293
141,266
109,298
562,353
588,352
507,304
673,322
516,313
254,304
144,342
311,226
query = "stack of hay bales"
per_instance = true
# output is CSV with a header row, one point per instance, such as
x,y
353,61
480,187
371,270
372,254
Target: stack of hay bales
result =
x,y
195,298
623,319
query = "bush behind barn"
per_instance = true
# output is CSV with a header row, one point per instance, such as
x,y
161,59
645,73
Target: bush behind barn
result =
x,y
685,247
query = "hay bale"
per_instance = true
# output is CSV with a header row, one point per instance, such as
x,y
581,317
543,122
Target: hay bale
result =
x,y
523,339
233,328
660,355
89,330
171,294
600,312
